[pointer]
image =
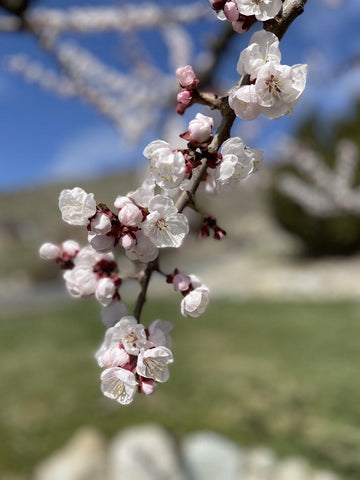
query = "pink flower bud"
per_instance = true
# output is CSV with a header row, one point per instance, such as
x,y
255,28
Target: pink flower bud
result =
x,y
127,241
101,224
231,11
186,76
146,386
200,129
121,201
49,251
115,357
130,215
181,282
70,247
184,97
105,291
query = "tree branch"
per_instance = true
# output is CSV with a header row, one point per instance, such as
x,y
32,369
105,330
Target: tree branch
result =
x,y
290,11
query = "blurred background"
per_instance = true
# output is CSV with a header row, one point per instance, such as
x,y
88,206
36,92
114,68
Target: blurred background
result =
x,y
271,370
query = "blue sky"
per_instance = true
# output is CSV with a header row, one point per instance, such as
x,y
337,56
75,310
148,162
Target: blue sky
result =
x,y
44,138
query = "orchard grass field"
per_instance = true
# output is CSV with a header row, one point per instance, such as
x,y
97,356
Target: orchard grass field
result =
x,y
283,375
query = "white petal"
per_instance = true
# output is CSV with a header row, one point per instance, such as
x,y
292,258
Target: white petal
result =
x,y
153,363
118,384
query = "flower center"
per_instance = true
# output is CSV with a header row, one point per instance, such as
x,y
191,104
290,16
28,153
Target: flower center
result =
x,y
273,85
156,368
132,339
161,224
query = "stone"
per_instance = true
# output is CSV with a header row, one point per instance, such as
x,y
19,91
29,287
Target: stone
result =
x,y
260,464
82,458
294,469
144,452
209,456
324,475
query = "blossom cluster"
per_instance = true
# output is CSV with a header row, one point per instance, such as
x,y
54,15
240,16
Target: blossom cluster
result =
x,y
275,89
142,222
134,358
243,13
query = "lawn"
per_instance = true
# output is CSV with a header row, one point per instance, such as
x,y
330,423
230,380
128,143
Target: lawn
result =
x,y
284,375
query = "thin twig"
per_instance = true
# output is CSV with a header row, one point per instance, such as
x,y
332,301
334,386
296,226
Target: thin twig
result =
x,y
145,277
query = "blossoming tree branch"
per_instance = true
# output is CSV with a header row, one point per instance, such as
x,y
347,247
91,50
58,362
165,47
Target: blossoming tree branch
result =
x,y
134,357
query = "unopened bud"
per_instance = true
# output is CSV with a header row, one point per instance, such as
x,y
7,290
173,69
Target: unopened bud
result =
x,y
186,76
49,251
70,247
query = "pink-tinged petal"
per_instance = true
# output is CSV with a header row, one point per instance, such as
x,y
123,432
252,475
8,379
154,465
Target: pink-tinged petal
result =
x,y
143,250
153,363
49,251
118,384
245,103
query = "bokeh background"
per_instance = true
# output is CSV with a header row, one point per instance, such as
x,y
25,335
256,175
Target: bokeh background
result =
x,y
275,360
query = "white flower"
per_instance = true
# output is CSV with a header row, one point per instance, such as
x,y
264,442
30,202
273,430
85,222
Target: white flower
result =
x,y
49,251
105,291
119,384
159,333
111,314
194,303
100,224
279,88
164,226
143,250
262,9
166,166
81,281
237,163
263,48
77,206
153,363
245,103
131,334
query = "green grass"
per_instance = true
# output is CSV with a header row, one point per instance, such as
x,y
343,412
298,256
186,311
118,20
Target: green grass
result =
x,y
283,375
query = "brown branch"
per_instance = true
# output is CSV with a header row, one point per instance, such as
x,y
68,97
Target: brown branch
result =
x,y
145,277
290,11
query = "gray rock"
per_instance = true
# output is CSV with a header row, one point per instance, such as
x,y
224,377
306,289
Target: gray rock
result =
x,y
82,458
145,452
208,456
294,469
259,464
324,475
